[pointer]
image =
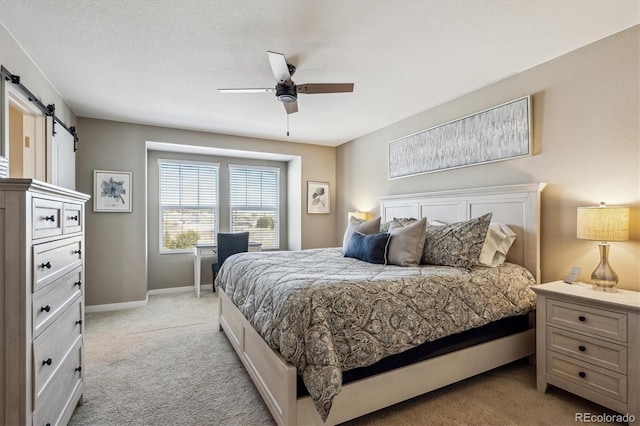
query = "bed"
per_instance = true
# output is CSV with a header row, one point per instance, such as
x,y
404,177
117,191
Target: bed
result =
x,y
278,380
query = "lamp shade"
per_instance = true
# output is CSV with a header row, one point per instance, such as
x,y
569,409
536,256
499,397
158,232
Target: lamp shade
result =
x,y
358,215
603,223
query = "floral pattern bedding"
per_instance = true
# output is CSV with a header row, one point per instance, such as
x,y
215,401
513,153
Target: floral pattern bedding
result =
x,y
326,313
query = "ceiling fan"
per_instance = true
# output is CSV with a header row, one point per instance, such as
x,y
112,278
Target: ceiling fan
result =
x,y
286,90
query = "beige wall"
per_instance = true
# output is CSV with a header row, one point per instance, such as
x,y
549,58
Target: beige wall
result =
x,y
586,147
117,260
18,63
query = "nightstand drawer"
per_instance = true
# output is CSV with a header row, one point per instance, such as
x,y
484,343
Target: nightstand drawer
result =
x,y
208,252
600,322
598,352
597,379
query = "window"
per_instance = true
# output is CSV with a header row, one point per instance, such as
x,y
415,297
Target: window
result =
x,y
255,204
188,204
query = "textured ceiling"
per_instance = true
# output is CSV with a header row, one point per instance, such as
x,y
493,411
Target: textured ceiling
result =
x,y
160,61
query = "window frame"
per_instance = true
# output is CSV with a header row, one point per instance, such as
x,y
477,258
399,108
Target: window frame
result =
x,y
161,207
278,208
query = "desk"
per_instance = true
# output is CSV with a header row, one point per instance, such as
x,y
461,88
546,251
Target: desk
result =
x,y
210,250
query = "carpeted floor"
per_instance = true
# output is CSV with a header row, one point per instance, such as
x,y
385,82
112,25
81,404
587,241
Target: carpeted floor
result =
x,y
167,364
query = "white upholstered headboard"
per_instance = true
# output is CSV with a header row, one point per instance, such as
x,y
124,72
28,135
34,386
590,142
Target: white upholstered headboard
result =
x,y
517,206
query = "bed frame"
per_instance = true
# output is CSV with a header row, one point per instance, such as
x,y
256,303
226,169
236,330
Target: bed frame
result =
x,y
518,206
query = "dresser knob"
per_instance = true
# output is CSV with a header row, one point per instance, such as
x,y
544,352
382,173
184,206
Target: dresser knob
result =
x,y
77,252
45,308
46,265
48,424
78,369
78,283
73,218
51,218
582,348
79,322
582,374
582,318
46,361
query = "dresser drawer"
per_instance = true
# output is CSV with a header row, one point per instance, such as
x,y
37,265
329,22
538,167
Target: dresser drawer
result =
x,y
47,218
51,347
605,354
57,395
55,259
601,380
599,322
72,218
52,300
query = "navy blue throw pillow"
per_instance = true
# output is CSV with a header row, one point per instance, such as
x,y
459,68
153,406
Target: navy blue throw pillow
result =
x,y
370,248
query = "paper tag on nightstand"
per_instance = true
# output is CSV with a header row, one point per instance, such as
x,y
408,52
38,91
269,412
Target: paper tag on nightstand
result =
x,y
573,274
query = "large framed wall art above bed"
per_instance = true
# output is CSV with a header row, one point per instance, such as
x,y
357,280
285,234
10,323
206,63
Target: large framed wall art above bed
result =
x,y
499,133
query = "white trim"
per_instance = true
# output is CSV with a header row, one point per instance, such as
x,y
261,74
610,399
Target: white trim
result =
x,y
141,303
116,306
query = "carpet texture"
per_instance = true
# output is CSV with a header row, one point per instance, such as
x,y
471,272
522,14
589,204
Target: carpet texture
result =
x,y
167,364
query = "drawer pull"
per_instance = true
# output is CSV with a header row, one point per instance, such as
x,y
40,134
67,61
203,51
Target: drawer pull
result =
x,y
46,361
582,374
46,265
48,424
51,218
73,218
78,368
77,252
79,322
582,318
582,348
45,308
78,283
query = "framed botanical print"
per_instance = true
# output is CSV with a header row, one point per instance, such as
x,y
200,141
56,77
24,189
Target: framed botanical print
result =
x,y
318,197
111,191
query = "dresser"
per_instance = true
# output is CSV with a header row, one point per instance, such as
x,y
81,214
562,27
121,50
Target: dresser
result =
x,y
588,343
41,302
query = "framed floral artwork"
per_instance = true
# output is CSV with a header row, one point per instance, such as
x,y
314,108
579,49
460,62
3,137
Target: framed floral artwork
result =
x,y
111,191
318,197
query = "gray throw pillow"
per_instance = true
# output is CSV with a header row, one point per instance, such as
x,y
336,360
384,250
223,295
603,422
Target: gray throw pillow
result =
x,y
404,221
358,225
456,244
407,242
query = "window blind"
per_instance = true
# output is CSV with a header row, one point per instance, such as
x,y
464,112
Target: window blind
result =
x,y
255,203
188,204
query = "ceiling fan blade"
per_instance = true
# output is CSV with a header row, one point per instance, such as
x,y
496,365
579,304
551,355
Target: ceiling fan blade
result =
x,y
256,90
291,107
279,67
312,88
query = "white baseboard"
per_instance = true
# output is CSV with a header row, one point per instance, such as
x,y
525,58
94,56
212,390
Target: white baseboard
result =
x,y
141,303
116,306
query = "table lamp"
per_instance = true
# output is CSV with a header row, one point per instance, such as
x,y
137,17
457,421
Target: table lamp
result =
x,y
604,223
358,215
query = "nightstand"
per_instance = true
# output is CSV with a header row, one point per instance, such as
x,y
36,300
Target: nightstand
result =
x,y
588,343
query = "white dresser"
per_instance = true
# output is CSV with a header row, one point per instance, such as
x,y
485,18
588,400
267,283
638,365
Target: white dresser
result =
x,y
588,343
41,302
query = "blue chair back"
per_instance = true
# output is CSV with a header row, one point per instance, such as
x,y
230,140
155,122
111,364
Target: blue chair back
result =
x,y
230,244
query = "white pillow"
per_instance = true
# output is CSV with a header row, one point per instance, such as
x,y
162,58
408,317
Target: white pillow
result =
x,y
496,245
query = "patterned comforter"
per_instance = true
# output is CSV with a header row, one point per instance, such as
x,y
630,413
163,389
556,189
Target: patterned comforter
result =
x,y
326,313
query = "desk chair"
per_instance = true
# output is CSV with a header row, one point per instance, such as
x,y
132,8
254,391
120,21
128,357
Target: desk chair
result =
x,y
229,244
